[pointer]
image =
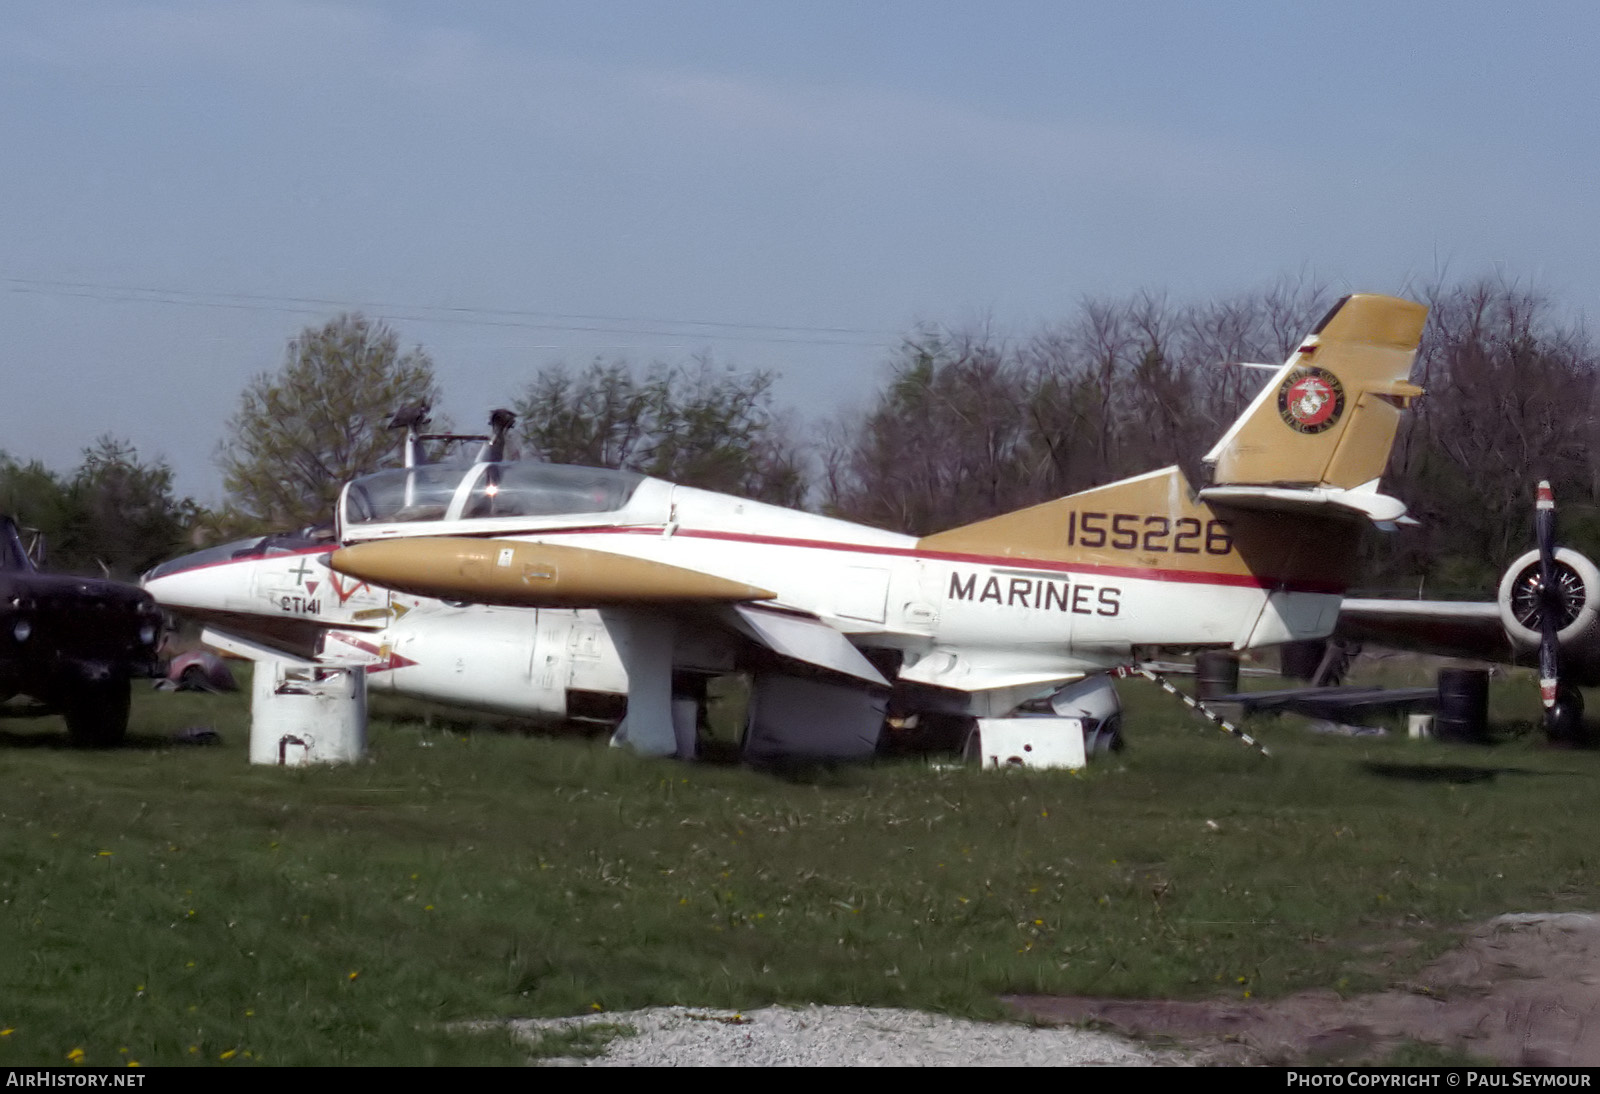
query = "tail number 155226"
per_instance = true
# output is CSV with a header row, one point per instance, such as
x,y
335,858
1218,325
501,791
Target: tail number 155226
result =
x,y
1134,532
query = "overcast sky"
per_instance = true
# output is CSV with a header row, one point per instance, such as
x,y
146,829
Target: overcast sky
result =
x,y
792,186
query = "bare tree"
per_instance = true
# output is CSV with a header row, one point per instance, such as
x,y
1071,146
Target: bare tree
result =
x,y
944,445
1511,400
703,425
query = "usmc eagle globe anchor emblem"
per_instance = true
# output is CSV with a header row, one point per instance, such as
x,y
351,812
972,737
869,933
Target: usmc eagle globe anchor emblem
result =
x,y
1311,400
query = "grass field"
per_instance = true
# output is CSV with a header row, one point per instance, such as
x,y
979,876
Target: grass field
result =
x,y
175,905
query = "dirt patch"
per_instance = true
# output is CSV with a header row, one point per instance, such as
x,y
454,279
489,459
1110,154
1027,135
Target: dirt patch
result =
x,y
1522,990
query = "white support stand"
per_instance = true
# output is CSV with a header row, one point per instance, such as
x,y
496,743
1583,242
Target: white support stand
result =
x,y
301,714
1034,741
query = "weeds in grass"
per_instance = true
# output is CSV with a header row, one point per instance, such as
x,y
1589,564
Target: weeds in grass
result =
x,y
1422,1054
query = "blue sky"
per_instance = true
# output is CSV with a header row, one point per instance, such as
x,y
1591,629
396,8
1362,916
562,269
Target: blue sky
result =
x,y
185,185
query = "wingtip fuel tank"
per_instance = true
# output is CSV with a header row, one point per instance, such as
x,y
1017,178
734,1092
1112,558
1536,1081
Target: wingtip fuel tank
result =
x,y
531,575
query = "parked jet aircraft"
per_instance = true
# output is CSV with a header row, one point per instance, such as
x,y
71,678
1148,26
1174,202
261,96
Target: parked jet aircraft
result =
x,y
838,622
1545,614
552,591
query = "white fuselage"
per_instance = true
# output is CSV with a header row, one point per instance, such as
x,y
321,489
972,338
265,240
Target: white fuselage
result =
x,y
997,627
964,621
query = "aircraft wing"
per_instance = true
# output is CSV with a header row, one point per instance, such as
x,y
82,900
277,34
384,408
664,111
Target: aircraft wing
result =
x,y
1449,627
541,575
804,638
250,649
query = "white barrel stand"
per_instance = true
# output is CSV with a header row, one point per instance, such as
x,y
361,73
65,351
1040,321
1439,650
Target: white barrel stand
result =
x,y
307,714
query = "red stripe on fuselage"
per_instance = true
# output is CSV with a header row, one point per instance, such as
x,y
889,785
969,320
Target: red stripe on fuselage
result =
x,y
1144,573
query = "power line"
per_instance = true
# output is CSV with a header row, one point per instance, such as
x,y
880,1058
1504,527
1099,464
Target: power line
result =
x,y
794,334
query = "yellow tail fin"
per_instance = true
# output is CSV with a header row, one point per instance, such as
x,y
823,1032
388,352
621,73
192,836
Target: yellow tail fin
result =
x,y
1311,445
1329,415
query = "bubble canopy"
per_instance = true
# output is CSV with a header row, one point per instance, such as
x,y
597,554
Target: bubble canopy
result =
x,y
485,491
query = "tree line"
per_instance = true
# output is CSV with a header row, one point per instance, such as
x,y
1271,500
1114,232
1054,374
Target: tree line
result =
x,y
114,515
968,422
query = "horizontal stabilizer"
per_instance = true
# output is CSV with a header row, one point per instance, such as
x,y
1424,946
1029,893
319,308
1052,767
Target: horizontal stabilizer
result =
x,y
1363,501
804,638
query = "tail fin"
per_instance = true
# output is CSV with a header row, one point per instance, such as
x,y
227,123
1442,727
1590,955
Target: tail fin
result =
x,y
1312,445
1329,415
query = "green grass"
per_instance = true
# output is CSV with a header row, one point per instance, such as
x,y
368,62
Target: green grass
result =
x,y
177,905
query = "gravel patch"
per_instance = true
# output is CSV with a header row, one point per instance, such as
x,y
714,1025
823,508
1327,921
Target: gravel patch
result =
x,y
1523,990
816,1036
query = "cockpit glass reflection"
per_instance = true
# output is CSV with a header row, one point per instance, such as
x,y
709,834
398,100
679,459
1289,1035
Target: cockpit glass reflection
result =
x,y
516,489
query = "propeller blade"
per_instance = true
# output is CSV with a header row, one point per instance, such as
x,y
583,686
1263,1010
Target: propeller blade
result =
x,y
1549,670
1544,526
